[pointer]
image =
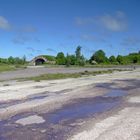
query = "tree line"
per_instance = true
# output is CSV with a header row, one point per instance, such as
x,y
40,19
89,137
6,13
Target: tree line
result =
x,y
99,57
14,60
74,59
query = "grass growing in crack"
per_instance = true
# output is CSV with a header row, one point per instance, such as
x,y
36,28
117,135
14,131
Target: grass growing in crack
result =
x,y
65,75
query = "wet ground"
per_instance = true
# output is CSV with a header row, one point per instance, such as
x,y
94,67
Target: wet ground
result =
x,y
61,123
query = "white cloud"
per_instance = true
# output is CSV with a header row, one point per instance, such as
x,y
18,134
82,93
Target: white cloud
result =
x,y
21,39
4,24
88,37
51,50
120,14
112,22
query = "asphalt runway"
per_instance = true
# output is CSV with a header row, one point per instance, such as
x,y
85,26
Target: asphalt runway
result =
x,y
36,71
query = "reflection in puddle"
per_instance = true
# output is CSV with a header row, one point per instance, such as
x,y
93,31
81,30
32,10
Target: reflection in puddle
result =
x,y
83,109
57,124
116,93
38,96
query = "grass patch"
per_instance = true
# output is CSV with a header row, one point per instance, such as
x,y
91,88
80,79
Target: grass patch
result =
x,y
54,76
65,75
6,68
20,66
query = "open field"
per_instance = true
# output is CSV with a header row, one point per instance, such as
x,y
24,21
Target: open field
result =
x,y
85,108
4,68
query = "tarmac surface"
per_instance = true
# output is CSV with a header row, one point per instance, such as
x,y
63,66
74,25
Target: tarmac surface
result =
x,y
98,107
38,70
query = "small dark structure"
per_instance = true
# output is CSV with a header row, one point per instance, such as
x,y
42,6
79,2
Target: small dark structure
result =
x,y
39,60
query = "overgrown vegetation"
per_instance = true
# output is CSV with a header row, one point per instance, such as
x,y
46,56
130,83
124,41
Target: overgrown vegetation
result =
x,y
5,67
13,60
66,75
74,59
98,58
50,57
12,63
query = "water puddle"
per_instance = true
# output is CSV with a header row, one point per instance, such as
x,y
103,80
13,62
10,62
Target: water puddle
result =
x,y
40,86
57,124
30,98
82,109
7,104
38,96
63,91
116,93
104,85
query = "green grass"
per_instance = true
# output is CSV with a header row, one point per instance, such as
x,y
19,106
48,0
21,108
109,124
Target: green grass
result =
x,y
4,68
64,76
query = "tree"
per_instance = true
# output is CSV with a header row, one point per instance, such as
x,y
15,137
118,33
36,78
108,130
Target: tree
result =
x,y
120,59
68,61
80,60
135,59
99,57
3,60
18,60
24,59
112,59
78,52
60,59
11,60
72,59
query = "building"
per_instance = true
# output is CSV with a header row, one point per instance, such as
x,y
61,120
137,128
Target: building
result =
x,y
42,59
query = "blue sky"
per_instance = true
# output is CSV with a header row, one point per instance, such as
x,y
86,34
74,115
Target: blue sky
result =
x,y
35,27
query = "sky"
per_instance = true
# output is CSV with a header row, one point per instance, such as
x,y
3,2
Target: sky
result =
x,y
36,27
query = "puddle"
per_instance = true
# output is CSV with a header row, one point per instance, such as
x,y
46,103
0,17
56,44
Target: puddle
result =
x,y
29,98
7,104
116,93
82,109
37,96
104,85
53,83
57,124
1,138
40,86
63,91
